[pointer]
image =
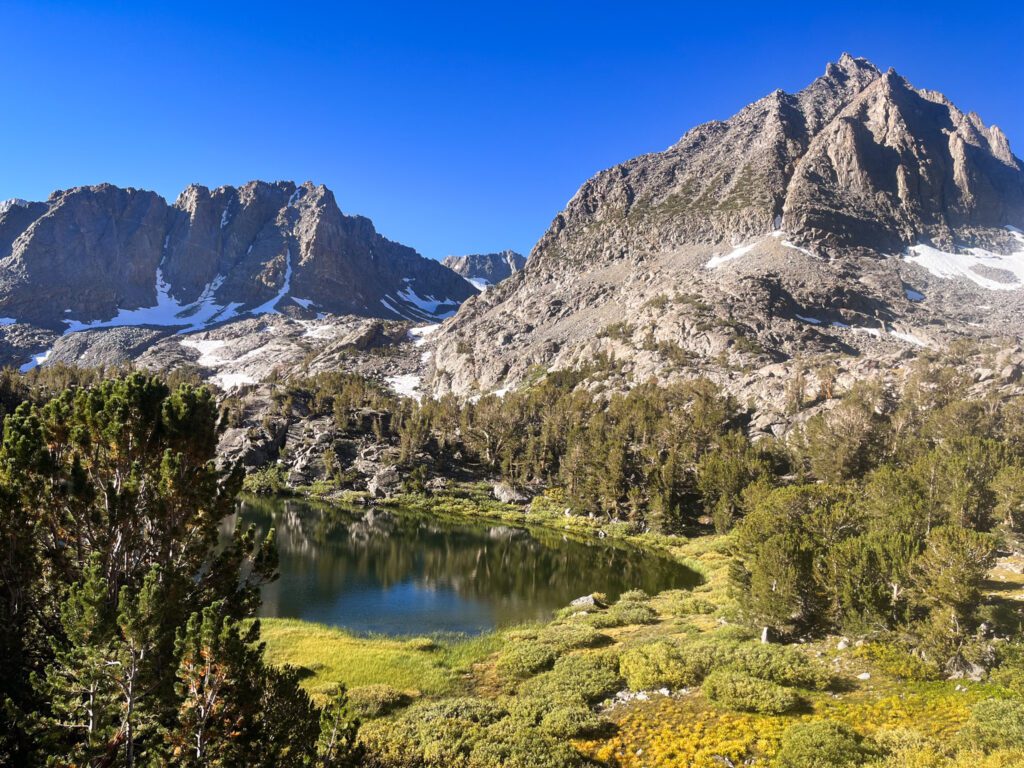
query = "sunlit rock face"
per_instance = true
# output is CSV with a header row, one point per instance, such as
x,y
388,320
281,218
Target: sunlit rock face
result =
x,y
103,257
861,220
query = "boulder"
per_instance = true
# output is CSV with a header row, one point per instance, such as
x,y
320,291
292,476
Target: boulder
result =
x,y
587,601
385,483
506,494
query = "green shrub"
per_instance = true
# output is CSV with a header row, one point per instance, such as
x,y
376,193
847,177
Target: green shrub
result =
x,y
674,664
464,708
524,660
692,606
406,743
530,708
622,615
732,633
438,734
582,677
780,664
572,723
996,724
634,596
665,665
394,744
821,744
266,481
424,644
570,637
594,676
510,744
518,635
744,693
370,701
898,662
1009,673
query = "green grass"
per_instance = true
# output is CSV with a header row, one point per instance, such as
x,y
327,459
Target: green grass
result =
x,y
328,656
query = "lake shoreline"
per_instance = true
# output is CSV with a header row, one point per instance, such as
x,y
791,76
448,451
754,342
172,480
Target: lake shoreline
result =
x,y
444,566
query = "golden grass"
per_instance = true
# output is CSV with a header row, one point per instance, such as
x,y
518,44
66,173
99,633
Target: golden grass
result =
x,y
328,656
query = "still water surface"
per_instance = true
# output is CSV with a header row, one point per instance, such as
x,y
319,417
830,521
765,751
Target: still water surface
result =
x,y
398,573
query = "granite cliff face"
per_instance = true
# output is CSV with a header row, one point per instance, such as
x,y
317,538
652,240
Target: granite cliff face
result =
x,y
486,269
95,256
860,219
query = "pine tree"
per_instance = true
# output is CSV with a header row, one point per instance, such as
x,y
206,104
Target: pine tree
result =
x,y
949,573
215,709
133,672
336,746
79,684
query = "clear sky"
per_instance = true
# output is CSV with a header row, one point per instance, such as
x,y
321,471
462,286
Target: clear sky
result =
x,y
457,127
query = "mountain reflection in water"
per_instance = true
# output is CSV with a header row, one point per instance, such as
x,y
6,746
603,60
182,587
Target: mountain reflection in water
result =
x,y
373,570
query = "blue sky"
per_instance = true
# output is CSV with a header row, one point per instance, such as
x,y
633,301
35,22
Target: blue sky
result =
x,y
457,127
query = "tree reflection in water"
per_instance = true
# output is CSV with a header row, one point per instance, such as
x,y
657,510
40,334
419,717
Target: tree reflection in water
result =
x,y
371,570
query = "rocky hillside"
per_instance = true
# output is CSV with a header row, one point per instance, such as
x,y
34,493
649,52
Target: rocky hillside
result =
x,y
486,269
104,257
860,220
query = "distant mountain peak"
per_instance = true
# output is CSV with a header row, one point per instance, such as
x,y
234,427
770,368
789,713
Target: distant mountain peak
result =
x,y
486,269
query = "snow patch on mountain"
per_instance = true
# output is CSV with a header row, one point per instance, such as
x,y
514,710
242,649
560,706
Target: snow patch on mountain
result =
x,y
795,247
420,333
427,304
811,320
228,381
405,385
195,316
910,338
717,260
207,349
975,264
167,311
6,205
35,361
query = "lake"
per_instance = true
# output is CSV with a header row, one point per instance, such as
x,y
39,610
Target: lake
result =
x,y
371,570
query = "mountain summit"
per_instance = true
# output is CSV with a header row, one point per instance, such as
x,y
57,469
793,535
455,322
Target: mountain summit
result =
x,y
103,256
859,212
486,269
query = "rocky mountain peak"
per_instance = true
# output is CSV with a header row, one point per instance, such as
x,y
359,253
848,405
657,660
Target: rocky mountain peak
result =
x,y
851,66
899,165
486,269
857,214
103,255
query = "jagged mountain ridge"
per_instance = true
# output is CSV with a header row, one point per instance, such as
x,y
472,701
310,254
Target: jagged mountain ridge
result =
x,y
820,155
839,220
486,269
91,256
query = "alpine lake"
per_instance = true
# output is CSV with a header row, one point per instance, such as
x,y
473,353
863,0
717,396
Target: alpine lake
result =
x,y
387,571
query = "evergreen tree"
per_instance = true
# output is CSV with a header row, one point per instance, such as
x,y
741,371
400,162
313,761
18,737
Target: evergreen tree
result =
x,y
947,579
79,685
336,745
